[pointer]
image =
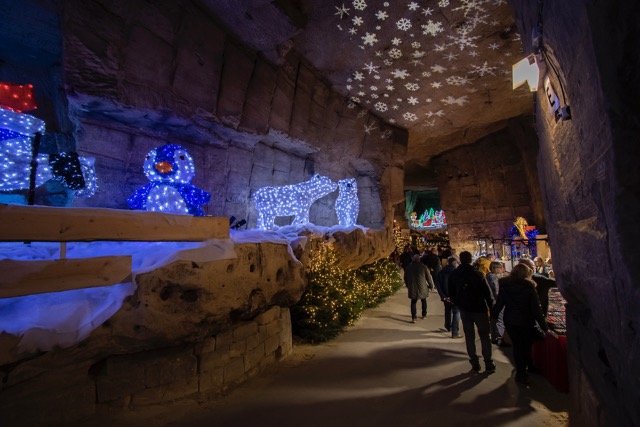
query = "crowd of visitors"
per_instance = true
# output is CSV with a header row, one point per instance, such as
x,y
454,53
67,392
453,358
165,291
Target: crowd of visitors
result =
x,y
504,309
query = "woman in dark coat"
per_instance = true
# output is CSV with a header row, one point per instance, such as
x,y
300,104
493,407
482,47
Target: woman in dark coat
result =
x,y
522,310
418,280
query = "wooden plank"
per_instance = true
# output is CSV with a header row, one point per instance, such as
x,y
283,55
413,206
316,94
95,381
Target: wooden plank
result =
x,y
54,224
20,278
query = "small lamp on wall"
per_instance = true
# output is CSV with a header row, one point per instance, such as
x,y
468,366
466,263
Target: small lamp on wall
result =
x,y
526,71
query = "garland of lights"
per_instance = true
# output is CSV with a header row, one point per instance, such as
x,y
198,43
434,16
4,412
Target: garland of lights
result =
x,y
347,204
287,200
16,132
170,168
336,297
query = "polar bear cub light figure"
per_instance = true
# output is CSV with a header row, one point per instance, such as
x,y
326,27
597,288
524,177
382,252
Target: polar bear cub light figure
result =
x,y
347,203
294,199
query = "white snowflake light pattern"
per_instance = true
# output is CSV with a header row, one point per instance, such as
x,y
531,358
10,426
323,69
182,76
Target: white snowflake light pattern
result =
x,y
395,53
457,80
494,46
469,6
358,75
427,12
388,62
412,86
432,28
374,88
436,85
390,88
410,117
450,56
413,6
418,54
439,47
357,21
463,41
400,74
483,69
415,45
412,100
342,11
353,31
450,100
386,134
395,106
371,68
443,3
375,96
369,39
381,106
403,24
359,4
438,113
396,41
438,69
369,128
382,15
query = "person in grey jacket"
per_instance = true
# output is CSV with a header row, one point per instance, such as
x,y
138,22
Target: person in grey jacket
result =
x,y
418,280
522,311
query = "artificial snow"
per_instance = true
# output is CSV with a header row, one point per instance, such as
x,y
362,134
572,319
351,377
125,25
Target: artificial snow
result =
x,y
62,319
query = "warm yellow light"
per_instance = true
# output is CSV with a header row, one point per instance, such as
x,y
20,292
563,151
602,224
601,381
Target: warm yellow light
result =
x,y
527,71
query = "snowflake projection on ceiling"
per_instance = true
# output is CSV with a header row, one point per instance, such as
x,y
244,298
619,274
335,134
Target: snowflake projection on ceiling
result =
x,y
423,60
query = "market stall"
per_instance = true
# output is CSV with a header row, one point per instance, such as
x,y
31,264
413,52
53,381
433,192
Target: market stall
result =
x,y
550,355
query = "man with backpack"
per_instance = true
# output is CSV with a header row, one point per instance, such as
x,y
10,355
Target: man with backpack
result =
x,y
469,290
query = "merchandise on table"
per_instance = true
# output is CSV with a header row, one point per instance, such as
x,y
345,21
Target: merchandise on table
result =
x,y
556,317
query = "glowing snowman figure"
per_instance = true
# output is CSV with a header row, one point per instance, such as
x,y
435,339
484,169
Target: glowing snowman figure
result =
x,y
170,169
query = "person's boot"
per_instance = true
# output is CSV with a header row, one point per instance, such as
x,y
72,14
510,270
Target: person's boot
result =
x,y
475,365
490,367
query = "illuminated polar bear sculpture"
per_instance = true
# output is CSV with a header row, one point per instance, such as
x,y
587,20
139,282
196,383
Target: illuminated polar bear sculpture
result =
x,y
347,203
286,200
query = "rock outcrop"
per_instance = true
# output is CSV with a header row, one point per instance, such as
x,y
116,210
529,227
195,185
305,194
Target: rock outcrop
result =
x,y
191,328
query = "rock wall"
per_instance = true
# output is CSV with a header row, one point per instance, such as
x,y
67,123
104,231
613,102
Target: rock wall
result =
x,y
589,179
486,185
65,393
192,329
144,74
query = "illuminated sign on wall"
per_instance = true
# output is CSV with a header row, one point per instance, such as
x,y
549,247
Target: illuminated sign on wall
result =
x,y
429,220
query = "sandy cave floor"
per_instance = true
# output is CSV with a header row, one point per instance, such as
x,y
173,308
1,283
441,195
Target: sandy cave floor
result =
x,y
383,371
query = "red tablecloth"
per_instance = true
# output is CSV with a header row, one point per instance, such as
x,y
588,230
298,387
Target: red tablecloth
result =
x,y
550,356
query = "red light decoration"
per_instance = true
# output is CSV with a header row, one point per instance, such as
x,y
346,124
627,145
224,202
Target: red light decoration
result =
x,y
17,97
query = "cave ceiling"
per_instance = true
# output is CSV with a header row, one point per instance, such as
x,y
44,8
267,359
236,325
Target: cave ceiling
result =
x,y
439,68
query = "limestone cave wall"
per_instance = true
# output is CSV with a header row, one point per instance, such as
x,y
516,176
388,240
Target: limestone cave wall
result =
x,y
484,186
589,178
142,74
